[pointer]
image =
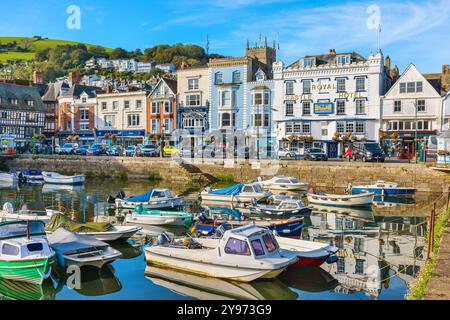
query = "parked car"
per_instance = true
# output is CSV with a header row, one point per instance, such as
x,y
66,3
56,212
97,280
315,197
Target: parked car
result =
x,y
171,150
205,152
284,153
150,150
57,149
315,154
368,151
114,151
96,150
68,148
131,151
81,150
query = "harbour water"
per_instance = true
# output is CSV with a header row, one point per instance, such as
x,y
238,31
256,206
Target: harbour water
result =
x,y
381,252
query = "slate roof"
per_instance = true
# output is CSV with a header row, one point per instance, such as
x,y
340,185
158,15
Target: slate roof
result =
x,y
172,84
329,58
76,90
54,90
22,94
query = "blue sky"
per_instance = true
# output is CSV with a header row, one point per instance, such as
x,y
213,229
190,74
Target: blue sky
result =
x,y
417,32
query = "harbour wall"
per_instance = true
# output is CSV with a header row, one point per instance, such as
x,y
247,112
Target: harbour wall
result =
x,y
330,175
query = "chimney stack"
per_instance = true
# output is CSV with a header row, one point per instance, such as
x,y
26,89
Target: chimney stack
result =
x,y
332,52
37,77
445,69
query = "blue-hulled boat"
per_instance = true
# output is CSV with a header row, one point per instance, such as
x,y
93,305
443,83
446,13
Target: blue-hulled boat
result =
x,y
31,175
385,189
284,228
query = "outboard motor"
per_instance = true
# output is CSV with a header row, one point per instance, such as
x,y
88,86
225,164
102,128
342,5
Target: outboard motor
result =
x,y
111,200
220,230
8,207
120,194
163,238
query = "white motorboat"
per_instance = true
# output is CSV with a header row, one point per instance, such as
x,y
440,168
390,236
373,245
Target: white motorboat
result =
x,y
33,211
244,254
283,183
9,178
239,193
285,208
98,231
384,188
206,288
159,218
25,255
56,178
152,199
310,253
346,200
75,249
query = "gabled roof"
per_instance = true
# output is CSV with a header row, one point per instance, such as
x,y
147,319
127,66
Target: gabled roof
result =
x,y
412,65
172,84
76,90
54,90
329,58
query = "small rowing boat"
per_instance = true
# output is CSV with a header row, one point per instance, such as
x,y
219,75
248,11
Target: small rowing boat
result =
x,y
56,178
355,200
152,199
32,211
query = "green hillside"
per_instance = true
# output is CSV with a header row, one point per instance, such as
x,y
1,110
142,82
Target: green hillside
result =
x,y
35,45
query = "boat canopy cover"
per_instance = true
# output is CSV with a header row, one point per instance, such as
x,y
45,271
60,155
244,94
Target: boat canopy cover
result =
x,y
18,229
63,240
230,191
145,197
32,172
35,207
59,220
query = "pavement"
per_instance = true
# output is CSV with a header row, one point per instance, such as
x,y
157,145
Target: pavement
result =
x,y
439,285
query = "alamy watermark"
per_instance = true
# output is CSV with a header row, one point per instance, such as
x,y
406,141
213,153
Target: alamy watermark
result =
x,y
73,22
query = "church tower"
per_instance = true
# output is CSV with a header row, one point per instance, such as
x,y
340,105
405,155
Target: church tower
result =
x,y
264,53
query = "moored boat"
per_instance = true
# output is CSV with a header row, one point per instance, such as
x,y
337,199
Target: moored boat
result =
x,y
74,249
32,211
152,199
353,200
244,254
140,215
99,231
56,178
283,228
283,183
237,193
31,175
285,208
9,178
384,188
25,255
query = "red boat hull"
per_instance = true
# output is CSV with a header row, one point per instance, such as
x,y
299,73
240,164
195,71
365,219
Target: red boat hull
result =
x,y
309,262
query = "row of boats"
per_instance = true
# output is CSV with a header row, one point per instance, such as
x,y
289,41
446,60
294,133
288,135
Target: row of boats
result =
x,y
245,248
36,176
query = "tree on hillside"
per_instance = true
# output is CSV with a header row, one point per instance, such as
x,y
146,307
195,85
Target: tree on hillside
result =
x,y
98,52
119,53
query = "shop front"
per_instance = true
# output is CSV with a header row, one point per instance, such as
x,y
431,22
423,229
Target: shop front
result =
x,y
406,145
124,138
79,137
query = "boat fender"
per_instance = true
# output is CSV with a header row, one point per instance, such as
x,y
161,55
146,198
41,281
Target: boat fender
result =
x,y
8,207
332,259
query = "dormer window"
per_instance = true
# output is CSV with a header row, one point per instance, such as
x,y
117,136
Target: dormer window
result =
x,y
30,103
14,101
343,59
309,62
260,75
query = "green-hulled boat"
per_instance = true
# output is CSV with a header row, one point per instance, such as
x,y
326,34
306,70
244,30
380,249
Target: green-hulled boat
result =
x,y
155,217
24,252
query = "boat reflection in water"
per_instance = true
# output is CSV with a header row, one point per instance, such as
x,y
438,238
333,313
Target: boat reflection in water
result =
x,y
205,288
127,250
95,282
16,290
390,202
54,188
309,279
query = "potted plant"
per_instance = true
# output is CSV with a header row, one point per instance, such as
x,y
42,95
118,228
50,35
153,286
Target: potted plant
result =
x,y
107,136
394,136
69,138
336,136
114,138
443,152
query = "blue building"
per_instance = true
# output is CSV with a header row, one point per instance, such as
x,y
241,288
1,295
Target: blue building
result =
x,y
241,92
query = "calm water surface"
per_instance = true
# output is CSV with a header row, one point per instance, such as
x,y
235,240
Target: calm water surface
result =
x,y
381,252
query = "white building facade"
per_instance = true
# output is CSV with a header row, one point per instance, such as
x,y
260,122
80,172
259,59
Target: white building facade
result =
x,y
446,113
320,99
411,112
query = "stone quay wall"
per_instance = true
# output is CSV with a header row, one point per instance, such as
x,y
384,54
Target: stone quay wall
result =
x,y
331,175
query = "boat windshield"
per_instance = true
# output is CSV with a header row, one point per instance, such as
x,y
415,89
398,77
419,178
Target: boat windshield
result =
x,y
237,247
257,188
294,180
270,242
19,229
258,248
